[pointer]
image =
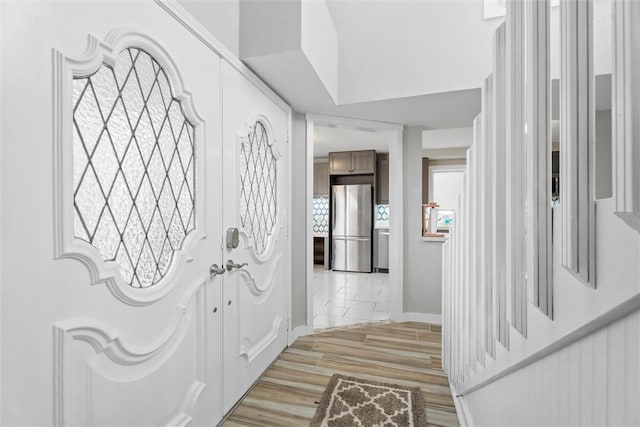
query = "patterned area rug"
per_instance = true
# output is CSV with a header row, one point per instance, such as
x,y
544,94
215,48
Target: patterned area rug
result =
x,y
349,401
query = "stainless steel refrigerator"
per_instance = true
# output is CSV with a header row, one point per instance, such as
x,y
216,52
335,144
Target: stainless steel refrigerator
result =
x,y
352,212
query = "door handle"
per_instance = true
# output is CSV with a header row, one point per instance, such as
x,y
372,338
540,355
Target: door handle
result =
x,y
214,270
231,265
333,211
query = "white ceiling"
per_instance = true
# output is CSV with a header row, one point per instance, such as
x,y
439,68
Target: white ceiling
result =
x,y
401,48
299,86
416,63
329,139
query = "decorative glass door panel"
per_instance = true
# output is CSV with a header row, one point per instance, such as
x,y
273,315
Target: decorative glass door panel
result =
x,y
119,133
256,284
133,162
258,186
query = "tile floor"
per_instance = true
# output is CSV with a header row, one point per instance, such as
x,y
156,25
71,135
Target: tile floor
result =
x,y
342,298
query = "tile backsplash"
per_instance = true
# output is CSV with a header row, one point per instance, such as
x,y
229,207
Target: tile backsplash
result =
x,y
321,215
381,216
382,213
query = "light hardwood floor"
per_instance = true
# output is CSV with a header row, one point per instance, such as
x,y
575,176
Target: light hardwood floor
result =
x,y
407,353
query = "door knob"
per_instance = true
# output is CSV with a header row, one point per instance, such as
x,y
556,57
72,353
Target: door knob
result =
x,y
214,270
231,265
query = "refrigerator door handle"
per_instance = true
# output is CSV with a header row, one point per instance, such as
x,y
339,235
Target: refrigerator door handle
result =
x,y
333,209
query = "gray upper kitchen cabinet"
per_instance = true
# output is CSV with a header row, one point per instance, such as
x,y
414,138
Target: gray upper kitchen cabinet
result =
x,y
382,179
352,162
340,163
363,161
321,179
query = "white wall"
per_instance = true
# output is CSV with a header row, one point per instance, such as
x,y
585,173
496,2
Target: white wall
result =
x,y
439,139
268,27
327,139
591,382
422,260
445,153
603,155
447,186
449,171
319,42
221,18
298,232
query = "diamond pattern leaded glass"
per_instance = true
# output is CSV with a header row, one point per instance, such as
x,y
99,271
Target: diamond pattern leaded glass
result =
x,y
133,167
258,187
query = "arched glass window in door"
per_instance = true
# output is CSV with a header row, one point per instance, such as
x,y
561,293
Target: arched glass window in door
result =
x,y
133,167
258,186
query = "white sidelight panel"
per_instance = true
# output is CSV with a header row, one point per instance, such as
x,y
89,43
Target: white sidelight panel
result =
x,y
487,219
516,178
465,294
574,362
499,200
538,145
577,122
477,172
461,288
469,267
626,108
458,296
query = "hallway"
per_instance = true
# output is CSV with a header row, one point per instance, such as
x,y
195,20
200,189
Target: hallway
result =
x,y
176,175
401,353
344,298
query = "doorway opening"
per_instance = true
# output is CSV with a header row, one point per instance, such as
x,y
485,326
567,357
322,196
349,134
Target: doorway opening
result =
x,y
351,276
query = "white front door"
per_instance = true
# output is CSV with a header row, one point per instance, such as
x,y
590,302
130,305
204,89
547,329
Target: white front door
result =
x,y
254,202
111,125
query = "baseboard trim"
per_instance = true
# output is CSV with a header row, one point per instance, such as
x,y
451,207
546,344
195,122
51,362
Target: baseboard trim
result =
x,y
299,331
435,319
464,418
